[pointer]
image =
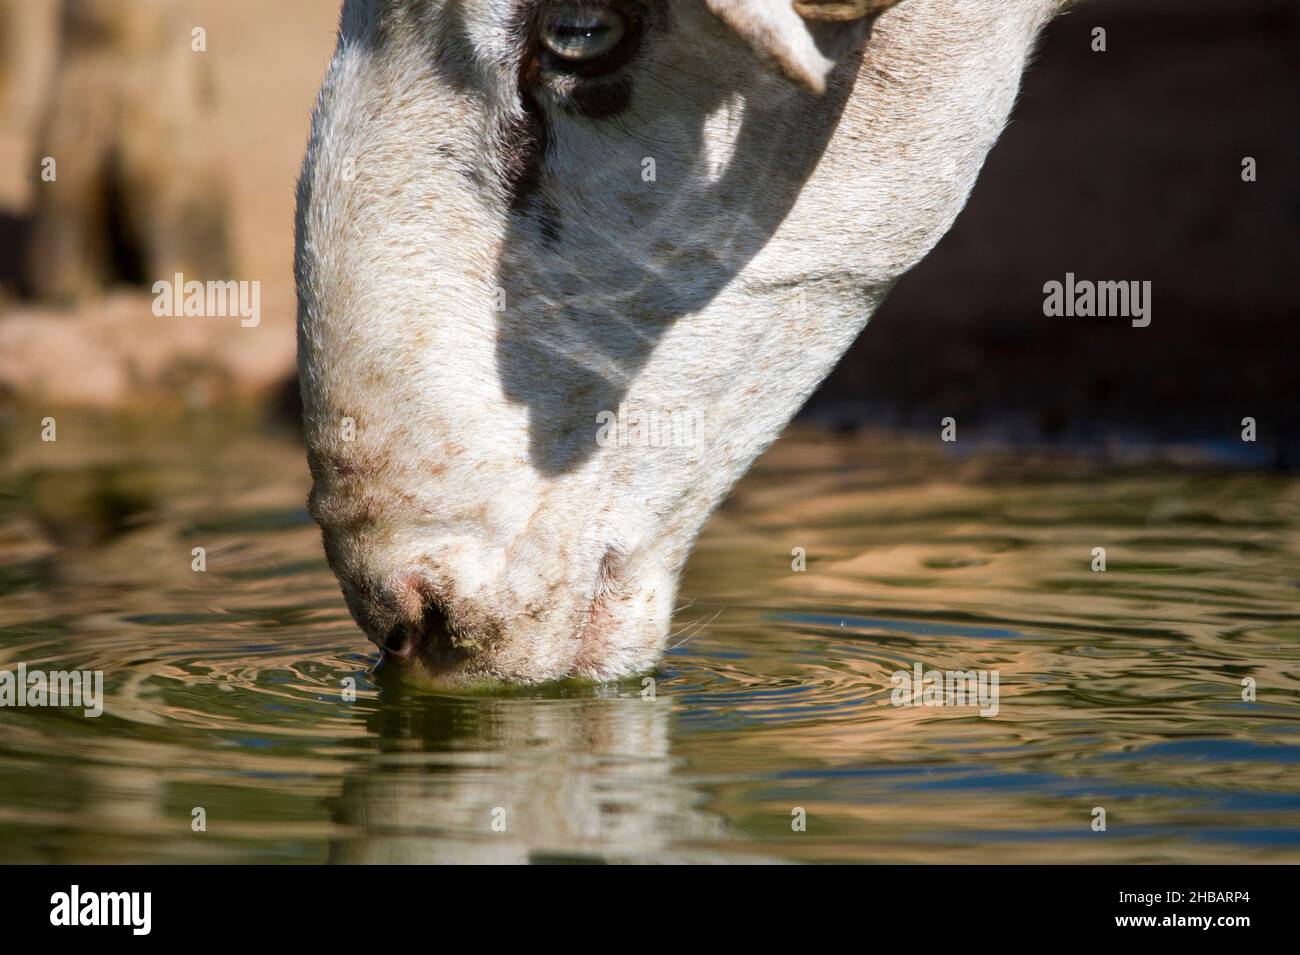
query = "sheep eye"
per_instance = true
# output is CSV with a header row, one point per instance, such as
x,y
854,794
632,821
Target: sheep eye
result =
x,y
581,32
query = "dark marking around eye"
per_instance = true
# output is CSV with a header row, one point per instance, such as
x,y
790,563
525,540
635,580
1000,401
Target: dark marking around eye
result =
x,y
524,141
600,100
524,138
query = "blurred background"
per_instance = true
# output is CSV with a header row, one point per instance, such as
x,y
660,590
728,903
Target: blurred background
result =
x,y
1121,165
1117,165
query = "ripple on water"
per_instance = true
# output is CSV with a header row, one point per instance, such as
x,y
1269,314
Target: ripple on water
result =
x,y
247,691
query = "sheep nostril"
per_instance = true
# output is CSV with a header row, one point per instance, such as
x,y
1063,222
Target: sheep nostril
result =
x,y
422,629
400,642
432,630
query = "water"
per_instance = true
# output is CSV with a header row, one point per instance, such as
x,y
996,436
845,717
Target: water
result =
x,y
1120,690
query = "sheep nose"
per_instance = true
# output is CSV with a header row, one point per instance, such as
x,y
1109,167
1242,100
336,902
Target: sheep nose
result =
x,y
427,636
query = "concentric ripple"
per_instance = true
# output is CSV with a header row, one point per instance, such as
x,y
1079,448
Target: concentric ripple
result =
x,y
1164,689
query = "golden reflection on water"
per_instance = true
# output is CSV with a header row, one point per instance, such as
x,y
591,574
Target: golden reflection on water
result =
x,y
1120,690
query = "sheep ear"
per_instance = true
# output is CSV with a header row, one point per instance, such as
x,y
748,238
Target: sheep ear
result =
x,y
804,39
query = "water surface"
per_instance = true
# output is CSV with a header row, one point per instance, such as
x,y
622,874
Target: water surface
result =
x,y
1120,690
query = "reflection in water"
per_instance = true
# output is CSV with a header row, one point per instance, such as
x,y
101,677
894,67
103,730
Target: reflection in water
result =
x,y
486,780
226,688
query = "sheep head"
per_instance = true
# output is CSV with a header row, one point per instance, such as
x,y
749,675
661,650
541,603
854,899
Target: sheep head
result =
x,y
566,268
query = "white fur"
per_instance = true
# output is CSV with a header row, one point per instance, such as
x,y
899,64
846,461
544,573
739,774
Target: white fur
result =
x,y
725,290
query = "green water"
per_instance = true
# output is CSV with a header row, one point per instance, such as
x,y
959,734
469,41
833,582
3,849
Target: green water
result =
x,y
1119,690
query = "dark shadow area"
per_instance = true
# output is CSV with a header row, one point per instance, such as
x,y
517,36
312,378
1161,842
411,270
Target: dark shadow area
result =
x,y
1123,165
15,239
125,252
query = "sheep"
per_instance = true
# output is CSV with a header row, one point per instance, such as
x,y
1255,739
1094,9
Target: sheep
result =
x,y
521,220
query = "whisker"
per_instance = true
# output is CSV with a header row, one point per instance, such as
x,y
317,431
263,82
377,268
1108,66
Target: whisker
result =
x,y
699,625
